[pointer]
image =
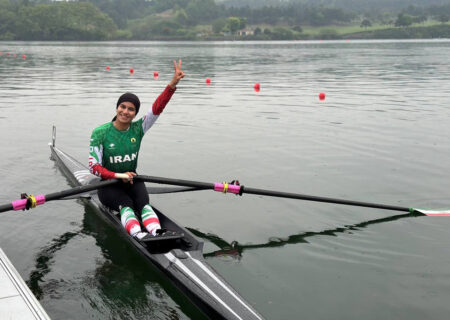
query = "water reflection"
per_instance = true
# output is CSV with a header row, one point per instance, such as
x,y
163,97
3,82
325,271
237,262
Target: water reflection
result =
x,y
122,284
43,263
236,250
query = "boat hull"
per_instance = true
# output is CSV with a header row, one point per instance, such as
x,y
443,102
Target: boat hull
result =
x,y
180,260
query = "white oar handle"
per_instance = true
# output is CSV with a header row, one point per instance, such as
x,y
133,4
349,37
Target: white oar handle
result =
x,y
122,176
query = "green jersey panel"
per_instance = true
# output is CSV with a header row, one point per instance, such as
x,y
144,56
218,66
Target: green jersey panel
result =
x,y
116,150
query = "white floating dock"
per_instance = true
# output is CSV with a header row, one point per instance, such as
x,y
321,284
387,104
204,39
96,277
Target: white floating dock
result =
x,y
16,300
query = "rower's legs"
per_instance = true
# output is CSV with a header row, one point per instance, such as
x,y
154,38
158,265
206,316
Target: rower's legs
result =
x,y
141,203
131,200
115,197
139,193
150,219
129,220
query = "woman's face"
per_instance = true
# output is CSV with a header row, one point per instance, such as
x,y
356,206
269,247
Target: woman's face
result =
x,y
125,112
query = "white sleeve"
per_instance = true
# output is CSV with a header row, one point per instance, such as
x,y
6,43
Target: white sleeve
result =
x,y
148,120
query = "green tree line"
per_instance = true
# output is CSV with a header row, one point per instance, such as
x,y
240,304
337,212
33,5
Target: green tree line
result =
x,y
185,19
61,21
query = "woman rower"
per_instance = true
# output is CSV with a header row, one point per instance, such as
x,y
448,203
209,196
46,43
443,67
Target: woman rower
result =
x,y
114,149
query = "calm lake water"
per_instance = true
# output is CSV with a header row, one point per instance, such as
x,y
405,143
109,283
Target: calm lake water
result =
x,y
381,135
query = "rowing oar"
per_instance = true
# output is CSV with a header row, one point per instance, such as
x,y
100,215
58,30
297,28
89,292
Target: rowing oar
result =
x,y
150,190
238,189
30,201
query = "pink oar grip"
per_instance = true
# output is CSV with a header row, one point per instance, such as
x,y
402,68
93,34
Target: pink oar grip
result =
x,y
22,203
40,199
232,188
19,204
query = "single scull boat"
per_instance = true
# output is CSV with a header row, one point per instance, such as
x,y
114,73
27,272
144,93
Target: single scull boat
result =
x,y
181,260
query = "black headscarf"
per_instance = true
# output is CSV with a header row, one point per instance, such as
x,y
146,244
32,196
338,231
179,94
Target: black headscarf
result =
x,y
129,97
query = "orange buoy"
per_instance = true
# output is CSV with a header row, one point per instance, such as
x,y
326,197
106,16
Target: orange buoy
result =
x,y
155,75
208,81
107,68
257,87
131,70
322,96
24,56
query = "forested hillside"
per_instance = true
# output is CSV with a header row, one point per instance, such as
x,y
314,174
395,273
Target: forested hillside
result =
x,y
219,20
355,5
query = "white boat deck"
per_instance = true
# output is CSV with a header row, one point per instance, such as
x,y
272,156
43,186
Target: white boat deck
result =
x,y
16,300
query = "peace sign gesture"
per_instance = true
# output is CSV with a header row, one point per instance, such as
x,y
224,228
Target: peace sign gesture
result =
x,y
179,74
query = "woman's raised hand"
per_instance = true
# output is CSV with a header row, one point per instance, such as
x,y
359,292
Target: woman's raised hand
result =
x,y
179,74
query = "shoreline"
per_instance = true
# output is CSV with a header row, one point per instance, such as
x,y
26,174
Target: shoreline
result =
x,y
441,31
387,40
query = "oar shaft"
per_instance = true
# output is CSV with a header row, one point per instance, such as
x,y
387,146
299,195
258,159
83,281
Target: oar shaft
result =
x,y
6,207
322,199
241,189
78,190
41,199
176,182
19,204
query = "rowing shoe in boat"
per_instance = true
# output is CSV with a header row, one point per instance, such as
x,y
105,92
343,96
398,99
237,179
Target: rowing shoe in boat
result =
x,y
180,259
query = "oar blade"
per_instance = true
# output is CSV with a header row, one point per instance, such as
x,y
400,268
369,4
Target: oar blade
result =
x,y
434,213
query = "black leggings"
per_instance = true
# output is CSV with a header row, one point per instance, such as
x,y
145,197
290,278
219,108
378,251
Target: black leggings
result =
x,y
123,194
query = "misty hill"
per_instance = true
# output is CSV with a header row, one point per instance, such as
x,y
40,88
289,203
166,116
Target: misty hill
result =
x,y
356,5
217,20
